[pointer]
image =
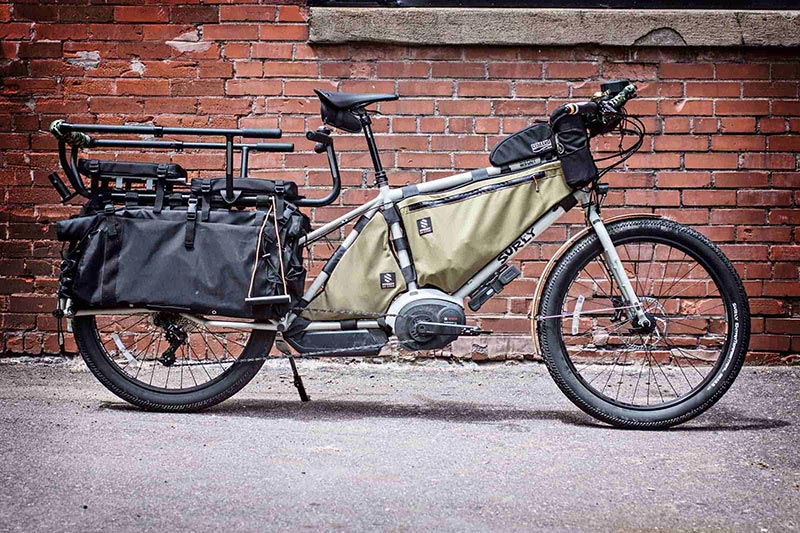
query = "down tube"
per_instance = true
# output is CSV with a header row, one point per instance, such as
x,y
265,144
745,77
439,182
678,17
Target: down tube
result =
x,y
513,249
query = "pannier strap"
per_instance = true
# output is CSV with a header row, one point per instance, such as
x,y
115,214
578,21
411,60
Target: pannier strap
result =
x,y
93,166
191,223
113,245
409,275
131,199
161,174
205,190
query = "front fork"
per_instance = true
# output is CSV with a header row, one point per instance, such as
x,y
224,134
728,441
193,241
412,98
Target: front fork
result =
x,y
635,310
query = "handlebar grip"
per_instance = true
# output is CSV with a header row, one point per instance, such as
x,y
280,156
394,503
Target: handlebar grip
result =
x,y
261,133
73,138
573,109
621,99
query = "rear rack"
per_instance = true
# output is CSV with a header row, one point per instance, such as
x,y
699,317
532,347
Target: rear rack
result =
x,y
76,136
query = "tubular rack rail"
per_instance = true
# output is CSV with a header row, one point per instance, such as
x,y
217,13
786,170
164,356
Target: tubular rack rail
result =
x,y
76,135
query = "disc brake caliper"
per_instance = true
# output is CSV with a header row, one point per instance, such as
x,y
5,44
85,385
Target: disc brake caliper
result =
x,y
616,301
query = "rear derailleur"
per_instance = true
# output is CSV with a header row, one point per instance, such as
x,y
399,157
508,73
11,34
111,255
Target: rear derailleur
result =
x,y
175,335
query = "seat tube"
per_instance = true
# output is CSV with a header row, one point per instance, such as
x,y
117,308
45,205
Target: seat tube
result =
x,y
615,266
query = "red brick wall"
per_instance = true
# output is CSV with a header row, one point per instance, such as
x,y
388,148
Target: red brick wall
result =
x,y
722,154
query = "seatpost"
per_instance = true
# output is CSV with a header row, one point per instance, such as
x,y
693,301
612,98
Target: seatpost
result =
x,y
380,174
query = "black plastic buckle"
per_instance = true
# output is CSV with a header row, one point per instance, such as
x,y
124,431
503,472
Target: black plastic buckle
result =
x,y
161,171
280,188
191,211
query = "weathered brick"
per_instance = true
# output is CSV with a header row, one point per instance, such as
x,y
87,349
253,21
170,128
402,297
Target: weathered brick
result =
x,y
230,32
247,13
141,14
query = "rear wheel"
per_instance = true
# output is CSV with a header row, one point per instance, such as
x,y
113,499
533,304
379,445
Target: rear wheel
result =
x,y
645,377
165,362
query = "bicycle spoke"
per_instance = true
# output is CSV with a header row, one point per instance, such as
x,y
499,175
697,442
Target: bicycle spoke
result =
x,y
607,343
133,343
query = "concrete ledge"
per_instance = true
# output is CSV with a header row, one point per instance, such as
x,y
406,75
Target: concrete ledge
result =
x,y
555,27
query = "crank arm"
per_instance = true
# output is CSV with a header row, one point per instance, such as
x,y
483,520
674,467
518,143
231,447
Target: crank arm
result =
x,y
440,328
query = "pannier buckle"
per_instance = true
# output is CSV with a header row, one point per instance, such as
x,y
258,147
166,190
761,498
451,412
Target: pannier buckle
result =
x,y
191,211
280,188
162,170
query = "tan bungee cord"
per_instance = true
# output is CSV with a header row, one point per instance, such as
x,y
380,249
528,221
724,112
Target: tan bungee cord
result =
x,y
272,210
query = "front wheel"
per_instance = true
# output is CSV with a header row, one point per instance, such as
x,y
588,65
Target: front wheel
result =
x,y
644,377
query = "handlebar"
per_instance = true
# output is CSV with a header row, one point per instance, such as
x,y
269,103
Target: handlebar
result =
x,y
64,130
602,113
324,143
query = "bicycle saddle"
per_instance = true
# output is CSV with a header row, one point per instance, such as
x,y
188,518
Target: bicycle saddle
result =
x,y
352,100
337,108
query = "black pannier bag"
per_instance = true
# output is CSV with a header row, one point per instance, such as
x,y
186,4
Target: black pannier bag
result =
x,y
533,141
572,146
130,176
173,260
212,190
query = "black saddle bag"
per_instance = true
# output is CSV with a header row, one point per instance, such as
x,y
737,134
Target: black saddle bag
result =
x,y
173,260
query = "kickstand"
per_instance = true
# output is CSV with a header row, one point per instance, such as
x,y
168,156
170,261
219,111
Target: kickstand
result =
x,y
298,382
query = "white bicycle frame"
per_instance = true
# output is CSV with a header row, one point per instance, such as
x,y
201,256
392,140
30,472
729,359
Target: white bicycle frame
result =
x,y
387,198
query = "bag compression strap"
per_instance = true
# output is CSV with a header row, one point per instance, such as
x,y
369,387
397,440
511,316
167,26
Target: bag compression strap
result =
x,y
113,245
161,172
191,224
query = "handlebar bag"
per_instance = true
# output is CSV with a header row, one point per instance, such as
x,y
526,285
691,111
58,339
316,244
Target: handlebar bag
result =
x,y
172,260
533,141
572,145
365,280
455,233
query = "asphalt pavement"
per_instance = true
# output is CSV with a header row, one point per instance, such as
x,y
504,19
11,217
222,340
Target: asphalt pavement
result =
x,y
390,447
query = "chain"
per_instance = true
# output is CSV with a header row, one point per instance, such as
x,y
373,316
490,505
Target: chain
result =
x,y
368,314
356,314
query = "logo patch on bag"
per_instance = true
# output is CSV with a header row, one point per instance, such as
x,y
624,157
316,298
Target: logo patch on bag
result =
x,y
541,146
424,225
388,280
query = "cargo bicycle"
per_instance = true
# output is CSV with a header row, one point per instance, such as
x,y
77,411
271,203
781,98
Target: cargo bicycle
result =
x,y
175,290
